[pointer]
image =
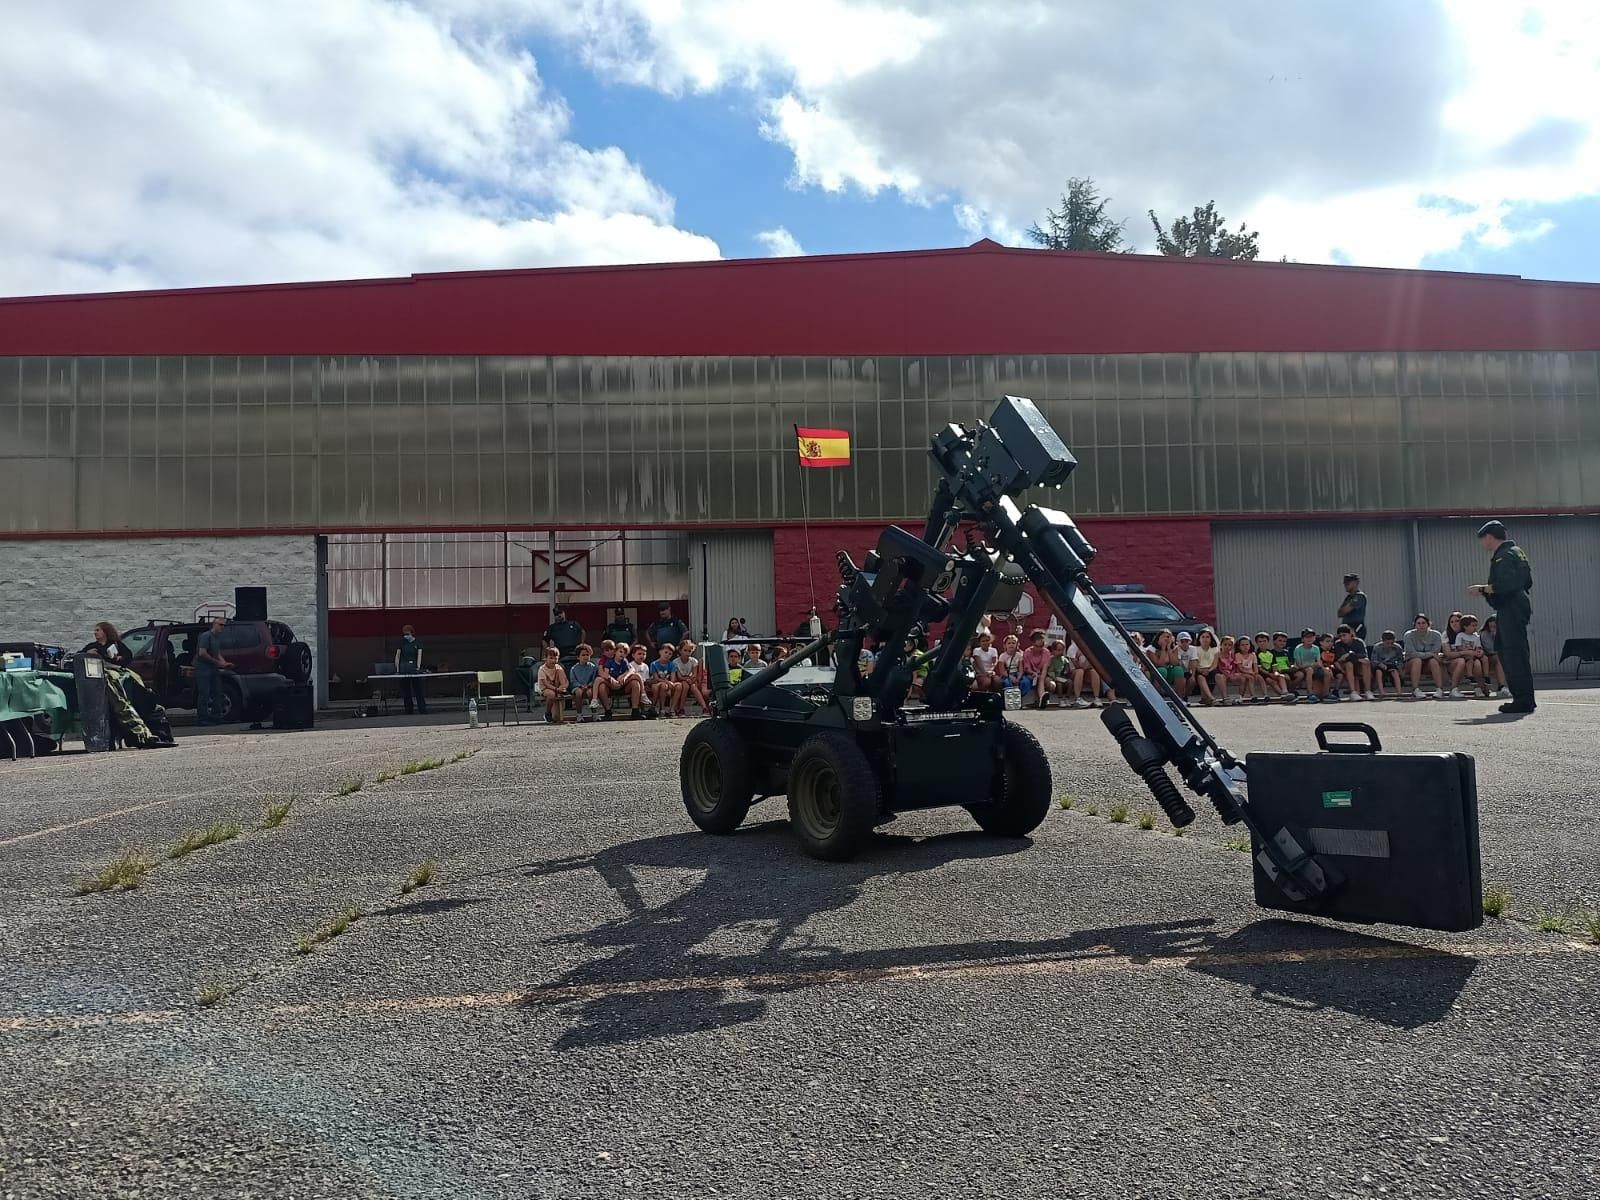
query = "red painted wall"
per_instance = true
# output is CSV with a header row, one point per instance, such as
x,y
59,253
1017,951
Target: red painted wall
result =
x,y
1170,555
983,299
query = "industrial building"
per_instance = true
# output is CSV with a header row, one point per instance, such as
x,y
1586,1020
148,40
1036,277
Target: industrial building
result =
x,y
456,450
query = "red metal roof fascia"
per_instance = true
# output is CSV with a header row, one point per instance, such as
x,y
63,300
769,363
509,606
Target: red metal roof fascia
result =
x,y
976,300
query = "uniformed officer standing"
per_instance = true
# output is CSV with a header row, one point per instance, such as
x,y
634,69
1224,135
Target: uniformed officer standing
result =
x,y
1510,580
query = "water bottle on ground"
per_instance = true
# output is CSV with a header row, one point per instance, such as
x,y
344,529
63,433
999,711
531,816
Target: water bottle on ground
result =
x,y
472,713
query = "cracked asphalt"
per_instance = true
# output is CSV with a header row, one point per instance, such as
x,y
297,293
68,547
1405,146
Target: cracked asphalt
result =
x,y
591,999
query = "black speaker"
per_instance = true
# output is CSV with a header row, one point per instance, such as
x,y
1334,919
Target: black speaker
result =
x,y
250,603
294,707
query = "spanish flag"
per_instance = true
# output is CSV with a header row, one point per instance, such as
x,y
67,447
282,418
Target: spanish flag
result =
x,y
823,447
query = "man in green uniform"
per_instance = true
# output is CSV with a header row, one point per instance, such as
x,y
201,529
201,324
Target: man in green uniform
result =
x,y
564,634
1510,580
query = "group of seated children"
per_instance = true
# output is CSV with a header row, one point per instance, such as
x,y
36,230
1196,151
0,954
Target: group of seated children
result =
x,y
660,688
1046,668
1320,667
651,689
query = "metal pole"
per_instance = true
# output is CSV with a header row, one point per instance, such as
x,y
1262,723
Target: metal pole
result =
x,y
552,566
705,594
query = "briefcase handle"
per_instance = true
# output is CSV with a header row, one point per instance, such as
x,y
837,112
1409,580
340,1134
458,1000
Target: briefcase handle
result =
x,y
1323,730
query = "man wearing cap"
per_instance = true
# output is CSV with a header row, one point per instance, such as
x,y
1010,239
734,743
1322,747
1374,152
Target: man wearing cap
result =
x,y
1510,580
1353,607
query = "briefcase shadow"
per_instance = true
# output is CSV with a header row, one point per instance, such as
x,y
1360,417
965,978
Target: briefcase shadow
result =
x,y
1309,967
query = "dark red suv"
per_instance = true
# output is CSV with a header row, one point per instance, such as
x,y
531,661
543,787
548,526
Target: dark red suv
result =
x,y
264,654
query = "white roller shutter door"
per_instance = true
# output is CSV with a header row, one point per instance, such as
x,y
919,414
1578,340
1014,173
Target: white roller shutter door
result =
x,y
1273,575
1565,554
733,575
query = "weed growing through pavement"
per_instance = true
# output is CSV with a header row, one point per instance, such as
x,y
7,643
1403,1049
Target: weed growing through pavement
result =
x,y
123,873
1147,819
277,813
1495,901
1093,810
1551,922
307,942
1240,843
1179,831
1118,813
210,993
198,839
415,767
1064,801
349,787
1590,919
421,876
460,755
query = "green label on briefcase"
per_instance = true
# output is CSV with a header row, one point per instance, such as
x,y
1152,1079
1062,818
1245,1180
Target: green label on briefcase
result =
x,y
1336,799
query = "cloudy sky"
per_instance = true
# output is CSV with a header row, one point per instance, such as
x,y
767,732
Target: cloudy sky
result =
x,y
176,143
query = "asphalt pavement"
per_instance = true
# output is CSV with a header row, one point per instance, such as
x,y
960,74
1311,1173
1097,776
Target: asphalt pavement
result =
x,y
591,999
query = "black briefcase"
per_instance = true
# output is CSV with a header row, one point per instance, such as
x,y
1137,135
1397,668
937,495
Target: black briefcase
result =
x,y
294,707
1398,832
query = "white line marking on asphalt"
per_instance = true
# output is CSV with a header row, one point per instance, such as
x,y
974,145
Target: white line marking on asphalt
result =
x,y
1099,959
133,808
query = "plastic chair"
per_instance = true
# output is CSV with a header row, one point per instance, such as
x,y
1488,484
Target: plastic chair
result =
x,y
497,679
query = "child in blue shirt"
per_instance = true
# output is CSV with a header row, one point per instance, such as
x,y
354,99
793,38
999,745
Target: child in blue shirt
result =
x,y
581,678
666,691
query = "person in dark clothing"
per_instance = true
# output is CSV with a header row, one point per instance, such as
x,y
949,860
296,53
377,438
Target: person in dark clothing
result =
x,y
107,645
1353,608
1510,581
565,634
620,629
665,630
408,662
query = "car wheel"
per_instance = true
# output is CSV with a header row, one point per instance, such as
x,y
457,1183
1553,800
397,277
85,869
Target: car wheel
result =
x,y
232,702
295,665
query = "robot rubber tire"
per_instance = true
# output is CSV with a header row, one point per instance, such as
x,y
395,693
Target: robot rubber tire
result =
x,y
714,772
833,797
1020,798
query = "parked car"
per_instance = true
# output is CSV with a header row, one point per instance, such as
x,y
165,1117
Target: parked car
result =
x,y
264,655
1146,612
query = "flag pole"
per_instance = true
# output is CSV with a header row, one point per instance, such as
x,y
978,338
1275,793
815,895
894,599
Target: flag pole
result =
x,y
805,514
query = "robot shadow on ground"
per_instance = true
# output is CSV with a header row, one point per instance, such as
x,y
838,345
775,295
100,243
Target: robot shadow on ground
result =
x,y
659,971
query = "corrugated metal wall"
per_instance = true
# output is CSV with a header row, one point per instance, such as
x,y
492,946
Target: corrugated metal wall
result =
x,y
1285,574
1289,574
737,581
1565,553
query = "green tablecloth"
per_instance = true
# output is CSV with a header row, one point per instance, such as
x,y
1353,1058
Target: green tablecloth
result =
x,y
25,693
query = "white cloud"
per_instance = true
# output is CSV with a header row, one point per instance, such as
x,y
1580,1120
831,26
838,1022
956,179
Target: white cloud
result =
x,y
236,142
1332,128
780,243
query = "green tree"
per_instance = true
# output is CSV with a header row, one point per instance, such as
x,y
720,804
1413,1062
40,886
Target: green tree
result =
x,y
1080,223
1203,236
